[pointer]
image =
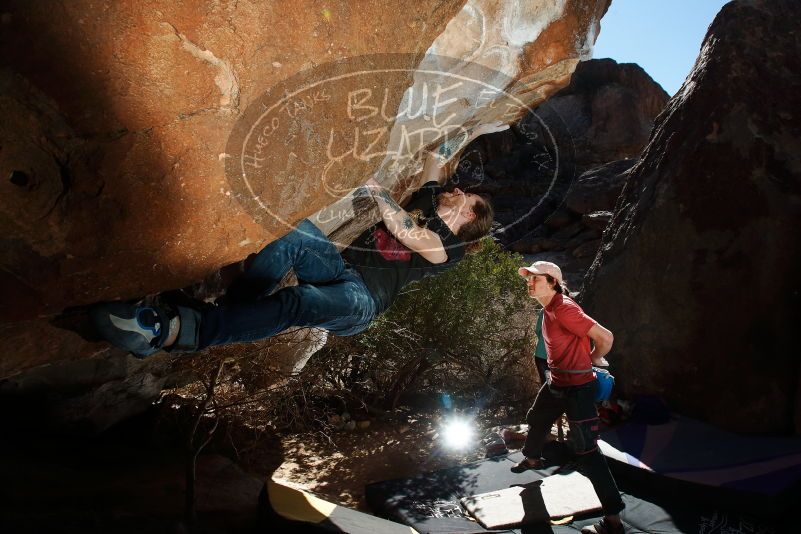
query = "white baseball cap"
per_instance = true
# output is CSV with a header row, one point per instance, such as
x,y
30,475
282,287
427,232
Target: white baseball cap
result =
x,y
542,267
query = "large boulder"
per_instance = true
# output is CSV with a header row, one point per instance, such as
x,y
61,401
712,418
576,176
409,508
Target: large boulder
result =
x,y
116,127
609,109
89,395
116,122
698,274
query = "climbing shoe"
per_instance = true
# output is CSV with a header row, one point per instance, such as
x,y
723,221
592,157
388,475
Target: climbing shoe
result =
x,y
524,465
134,326
603,527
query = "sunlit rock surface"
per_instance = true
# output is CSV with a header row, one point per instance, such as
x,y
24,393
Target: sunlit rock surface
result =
x,y
698,276
116,119
123,137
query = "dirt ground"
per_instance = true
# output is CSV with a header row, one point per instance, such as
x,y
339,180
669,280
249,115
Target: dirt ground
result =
x,y
338,465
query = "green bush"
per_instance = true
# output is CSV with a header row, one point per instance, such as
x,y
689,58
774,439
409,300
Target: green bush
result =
x,y
468,331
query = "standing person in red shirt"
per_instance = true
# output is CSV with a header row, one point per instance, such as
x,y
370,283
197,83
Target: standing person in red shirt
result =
x,y
571,388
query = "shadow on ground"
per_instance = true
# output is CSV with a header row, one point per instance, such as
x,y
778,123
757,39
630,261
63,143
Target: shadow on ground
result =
x,y
128,479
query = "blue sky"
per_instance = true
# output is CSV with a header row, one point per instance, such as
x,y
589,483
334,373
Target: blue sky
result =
x,y
663,37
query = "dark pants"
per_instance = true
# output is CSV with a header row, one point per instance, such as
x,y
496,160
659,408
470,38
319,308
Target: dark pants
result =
x,y
579,405
329,294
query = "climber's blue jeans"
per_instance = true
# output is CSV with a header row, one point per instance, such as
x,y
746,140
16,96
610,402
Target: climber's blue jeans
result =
x,y
329,294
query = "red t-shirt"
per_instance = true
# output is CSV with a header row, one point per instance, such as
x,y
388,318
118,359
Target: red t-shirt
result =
x,y
564,330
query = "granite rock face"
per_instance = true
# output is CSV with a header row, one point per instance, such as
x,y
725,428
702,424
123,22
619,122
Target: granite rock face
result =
x,y
118,115
598,188
609,109
567,161
87,396
698,271
116,119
